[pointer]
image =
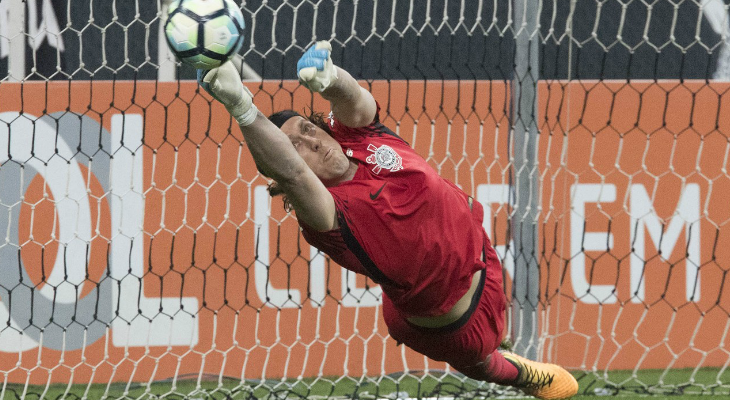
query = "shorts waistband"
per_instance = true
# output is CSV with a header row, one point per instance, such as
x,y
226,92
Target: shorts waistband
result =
x,y
464,318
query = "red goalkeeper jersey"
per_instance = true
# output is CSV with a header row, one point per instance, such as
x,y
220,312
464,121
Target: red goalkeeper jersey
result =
x,y
403,225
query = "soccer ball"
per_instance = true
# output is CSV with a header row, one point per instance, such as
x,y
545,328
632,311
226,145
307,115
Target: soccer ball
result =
x,y
204,33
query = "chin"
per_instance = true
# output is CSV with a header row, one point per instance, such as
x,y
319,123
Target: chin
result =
x,y
343,165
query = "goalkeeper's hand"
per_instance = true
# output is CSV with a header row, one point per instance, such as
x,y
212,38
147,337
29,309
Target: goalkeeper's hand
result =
x,y
224,84
315,69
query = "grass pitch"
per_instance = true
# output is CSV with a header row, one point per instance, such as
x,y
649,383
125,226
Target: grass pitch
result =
x,y
658,384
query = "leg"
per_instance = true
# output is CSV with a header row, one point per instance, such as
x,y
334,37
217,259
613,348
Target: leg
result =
x,y
544,381
495,368
472,349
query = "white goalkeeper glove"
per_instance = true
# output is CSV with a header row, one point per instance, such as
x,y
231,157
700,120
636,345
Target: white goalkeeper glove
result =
x,y
224,84
315,69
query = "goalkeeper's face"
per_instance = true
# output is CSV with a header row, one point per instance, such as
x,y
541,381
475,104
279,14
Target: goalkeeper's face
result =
x,y
322,153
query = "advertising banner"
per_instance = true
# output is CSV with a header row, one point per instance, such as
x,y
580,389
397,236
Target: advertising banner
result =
x,y
141,243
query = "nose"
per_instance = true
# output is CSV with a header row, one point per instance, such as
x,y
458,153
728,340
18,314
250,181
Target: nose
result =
x,y
314,143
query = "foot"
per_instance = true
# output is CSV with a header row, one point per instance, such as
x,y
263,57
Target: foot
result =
x,y
544,381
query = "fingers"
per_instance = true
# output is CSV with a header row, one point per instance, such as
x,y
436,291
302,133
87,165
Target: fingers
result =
x,y
223,83
316,62
315,69
209,75
212,83
323,44
313,58
321,54
307,74
316,56
204,78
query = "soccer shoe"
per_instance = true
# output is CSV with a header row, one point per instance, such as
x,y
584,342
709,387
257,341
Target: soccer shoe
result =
x,y
544,381
315,69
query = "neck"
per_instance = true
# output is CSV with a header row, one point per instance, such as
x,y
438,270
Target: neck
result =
x,y
351,170
347,176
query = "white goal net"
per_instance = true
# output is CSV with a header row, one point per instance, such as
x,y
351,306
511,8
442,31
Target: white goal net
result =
x,y
142,257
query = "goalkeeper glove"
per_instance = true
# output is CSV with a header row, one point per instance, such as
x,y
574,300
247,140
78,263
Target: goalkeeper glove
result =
x,y
315,69
224,84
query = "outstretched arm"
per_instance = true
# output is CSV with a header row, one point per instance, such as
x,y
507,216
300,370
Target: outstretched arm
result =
x,y
351,104
272,150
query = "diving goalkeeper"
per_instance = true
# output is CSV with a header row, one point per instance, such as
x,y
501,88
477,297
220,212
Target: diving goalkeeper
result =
x,y
364,197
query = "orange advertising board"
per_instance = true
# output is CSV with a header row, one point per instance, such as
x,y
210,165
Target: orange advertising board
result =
x,y
149,247
638,191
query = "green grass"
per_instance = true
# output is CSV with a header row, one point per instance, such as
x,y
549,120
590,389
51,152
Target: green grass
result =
x,y
617,384
672,384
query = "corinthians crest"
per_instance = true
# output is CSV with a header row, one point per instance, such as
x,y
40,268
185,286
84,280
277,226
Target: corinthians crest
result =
x,y
384,157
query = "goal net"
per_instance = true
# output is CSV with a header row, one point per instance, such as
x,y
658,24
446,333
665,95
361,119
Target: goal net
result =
x,y
141,256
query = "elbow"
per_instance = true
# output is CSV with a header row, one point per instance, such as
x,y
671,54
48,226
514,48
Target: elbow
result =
x,y
362,119
355,117
358,111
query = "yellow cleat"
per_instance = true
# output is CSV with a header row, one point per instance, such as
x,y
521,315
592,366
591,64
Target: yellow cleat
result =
x,y
544,381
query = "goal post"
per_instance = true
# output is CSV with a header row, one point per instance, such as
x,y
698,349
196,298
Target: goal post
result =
x,y
142,256
525,293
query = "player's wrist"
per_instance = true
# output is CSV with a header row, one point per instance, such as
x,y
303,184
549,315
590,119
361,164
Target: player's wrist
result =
x,y
242,114
242,108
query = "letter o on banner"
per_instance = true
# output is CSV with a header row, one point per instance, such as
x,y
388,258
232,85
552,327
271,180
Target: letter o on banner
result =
x,y
53,146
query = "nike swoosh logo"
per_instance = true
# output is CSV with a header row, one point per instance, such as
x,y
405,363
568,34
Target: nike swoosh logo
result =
x,y
375,196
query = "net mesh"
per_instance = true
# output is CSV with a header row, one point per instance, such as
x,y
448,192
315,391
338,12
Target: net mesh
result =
x,y
143,257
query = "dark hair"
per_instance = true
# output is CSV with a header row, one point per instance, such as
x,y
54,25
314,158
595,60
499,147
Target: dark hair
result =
x,y
279,118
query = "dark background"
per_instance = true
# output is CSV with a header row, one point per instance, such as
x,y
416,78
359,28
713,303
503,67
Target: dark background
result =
x,y
439,49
